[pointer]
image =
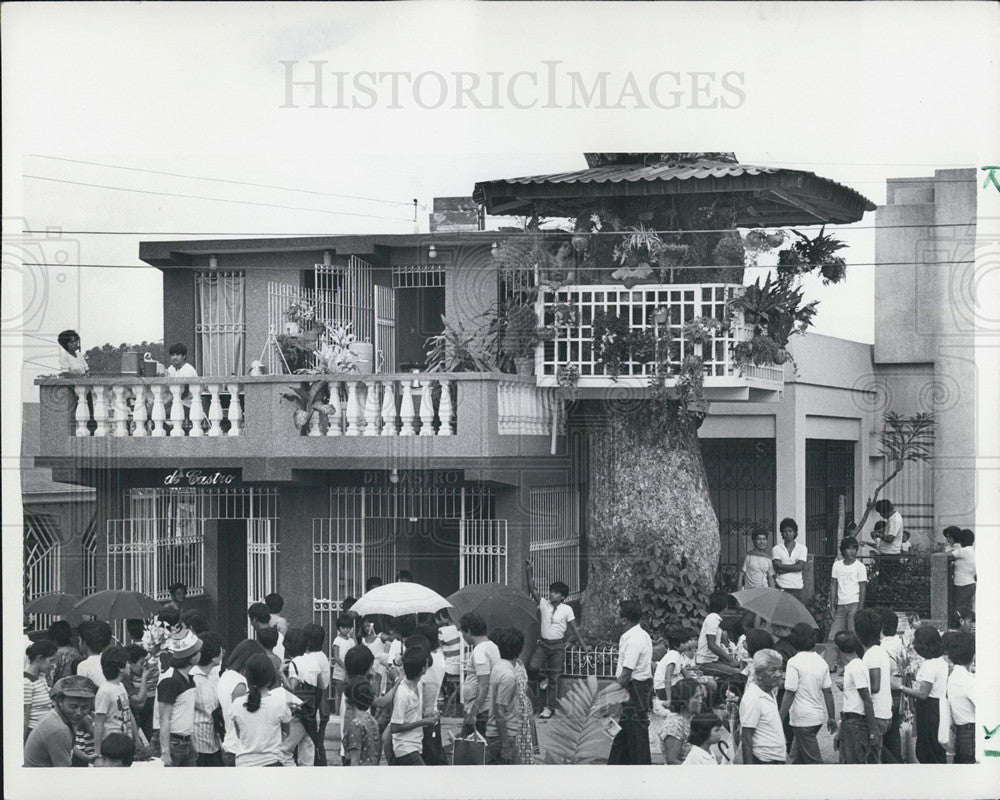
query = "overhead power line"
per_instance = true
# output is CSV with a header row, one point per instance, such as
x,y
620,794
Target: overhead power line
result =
x,y
227,180
218,199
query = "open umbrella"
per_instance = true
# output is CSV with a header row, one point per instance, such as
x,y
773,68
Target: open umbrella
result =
x,y
775,606
59,604
118,604
399,599
500,606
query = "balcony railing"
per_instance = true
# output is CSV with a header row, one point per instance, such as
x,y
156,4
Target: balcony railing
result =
x,y
676,305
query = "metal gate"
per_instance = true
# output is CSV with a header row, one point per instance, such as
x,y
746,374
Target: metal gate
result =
x,y
385,329
262,562
148,554
42,559
555,535
482,551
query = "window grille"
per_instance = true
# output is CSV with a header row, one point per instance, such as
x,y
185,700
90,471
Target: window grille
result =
x,y
148,554
418,276
89,544
346,294
42,560
555,535
220,326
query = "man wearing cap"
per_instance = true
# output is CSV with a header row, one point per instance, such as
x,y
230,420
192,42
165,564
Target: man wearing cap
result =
x,y
175,699
50,743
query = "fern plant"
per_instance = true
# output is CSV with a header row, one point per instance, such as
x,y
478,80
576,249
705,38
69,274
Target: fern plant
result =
x,y
576,735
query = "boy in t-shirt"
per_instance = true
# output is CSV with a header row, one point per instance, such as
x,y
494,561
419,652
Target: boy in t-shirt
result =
x,y
362,743
112,710
848,581
343,642
961,696
555,617
711,657
407,722
484,657
893,645
175,698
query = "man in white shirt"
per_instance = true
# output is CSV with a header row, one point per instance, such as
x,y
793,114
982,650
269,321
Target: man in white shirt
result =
x,y
868,627
485,656
808,698
635,675
761,736
963,558
789,559
95,636
555,616
891,538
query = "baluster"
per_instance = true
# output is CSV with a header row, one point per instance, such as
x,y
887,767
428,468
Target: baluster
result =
x,y
372,409
82,411
406,410
235,412
215,415
176,409
197,414
139,416
100,411
353,410
427,409
445,409
389,408
333,417
119,411
159,413
314,425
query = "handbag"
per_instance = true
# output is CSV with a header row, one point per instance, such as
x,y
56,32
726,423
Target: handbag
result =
x,y
309,697
469,751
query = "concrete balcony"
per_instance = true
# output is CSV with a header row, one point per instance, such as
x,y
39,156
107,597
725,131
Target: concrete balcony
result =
x,y
347,421
651,307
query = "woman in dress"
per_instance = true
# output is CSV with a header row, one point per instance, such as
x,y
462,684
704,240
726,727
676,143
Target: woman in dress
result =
x,y
527,736
71,360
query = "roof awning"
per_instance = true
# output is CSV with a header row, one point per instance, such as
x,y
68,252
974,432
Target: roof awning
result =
x,y
773,196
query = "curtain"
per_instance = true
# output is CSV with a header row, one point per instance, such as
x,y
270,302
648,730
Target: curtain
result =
x,y
221,324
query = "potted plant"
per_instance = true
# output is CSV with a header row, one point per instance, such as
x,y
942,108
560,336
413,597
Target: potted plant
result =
x,y
335,353
520,337
636,252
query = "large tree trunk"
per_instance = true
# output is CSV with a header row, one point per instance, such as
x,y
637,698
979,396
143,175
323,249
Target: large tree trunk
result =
x,y
647,486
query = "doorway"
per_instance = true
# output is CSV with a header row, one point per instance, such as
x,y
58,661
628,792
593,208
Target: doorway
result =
x,y
231,580
829,475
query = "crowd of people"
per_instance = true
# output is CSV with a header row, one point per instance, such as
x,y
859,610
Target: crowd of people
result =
x,y
737,690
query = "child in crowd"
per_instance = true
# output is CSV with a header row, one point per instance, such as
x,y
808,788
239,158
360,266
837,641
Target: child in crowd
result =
x,y
808,698
175,698
711,657
930,690
261,718
112,710
231,686
361,739
143,675
37,702
848,581
503,726
904,546
358,664
687,700
67,656
275,603
117,750
857,739
268,639
407,720
675,664
758,567
961,696
893,645
343,642
706,730
51,742
372,639
94,637
206,681
303,676
315,639
451,648
260,618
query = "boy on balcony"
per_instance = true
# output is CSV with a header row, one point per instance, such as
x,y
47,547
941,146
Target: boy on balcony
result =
x,y
555,616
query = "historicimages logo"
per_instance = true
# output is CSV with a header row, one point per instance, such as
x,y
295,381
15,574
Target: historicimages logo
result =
x,y
990,733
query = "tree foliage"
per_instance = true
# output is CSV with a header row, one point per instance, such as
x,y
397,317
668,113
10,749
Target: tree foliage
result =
x,y
575,735
108,357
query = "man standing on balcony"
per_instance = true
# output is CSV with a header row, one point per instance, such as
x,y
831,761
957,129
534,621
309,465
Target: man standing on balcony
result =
x,y
789,559
555,616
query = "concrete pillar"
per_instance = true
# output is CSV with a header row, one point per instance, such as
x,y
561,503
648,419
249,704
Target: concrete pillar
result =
x,y
790,467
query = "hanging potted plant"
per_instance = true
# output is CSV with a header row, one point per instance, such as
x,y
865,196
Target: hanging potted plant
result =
x,y
521,336
637,252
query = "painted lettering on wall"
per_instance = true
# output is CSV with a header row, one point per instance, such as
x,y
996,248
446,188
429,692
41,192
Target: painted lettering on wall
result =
x,y
198,477
412,478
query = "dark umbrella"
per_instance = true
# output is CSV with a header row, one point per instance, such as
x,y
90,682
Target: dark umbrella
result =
x,y
59,604
118,604
501,607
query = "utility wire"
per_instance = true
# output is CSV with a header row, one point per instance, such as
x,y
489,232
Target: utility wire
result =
x,y
226,180
217,199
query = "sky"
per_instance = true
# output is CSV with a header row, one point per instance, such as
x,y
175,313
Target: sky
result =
x,y
856,92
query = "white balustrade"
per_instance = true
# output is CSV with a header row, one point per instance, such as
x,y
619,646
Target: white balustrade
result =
x,y
215,415
353,410
197,414
139,415
388,408
235,412
446,411
524,409
427,409
333,416
406,410
372,409
82,411
141,410
176,409
314,423
100,411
